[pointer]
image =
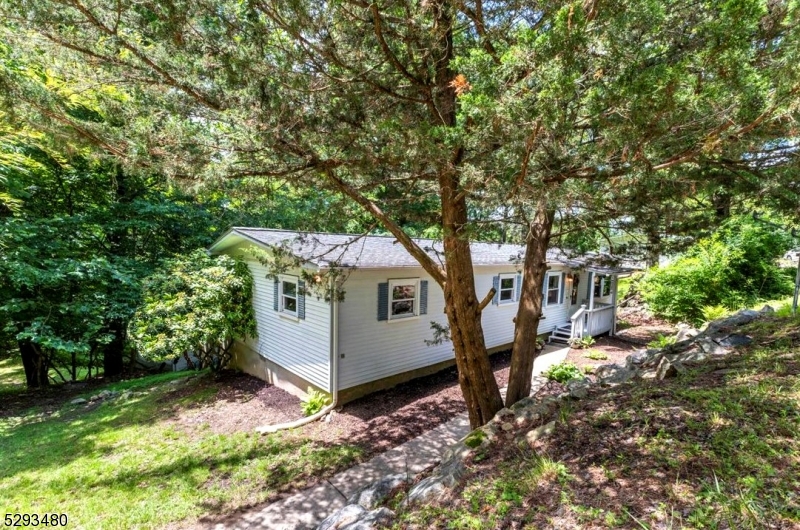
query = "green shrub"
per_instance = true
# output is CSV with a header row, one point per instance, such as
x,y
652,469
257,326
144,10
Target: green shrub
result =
x,y
313,402
661,341
714,312
596,355
582,342
563,372
734,268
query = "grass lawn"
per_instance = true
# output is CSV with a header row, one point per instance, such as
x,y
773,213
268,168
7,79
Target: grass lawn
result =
x,y
12,376
124,464
717,447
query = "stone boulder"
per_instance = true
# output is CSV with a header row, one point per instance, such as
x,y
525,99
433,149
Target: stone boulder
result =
x,y
735,339
77,401
579,388
667,368
613,374
339,519
643,358
711,347
380,518
686,332
370,497
540,432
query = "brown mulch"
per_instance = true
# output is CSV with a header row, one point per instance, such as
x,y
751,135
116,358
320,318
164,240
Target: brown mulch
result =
x,y
375,423
615,349
640,327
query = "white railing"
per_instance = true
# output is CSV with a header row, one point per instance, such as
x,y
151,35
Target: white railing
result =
x,y
592,322
578,323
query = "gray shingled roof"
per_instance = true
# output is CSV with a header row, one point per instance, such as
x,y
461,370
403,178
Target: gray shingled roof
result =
x,y
373,252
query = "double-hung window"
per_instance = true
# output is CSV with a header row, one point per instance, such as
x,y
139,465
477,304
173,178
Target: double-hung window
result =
x,y
553,294
508,288
403,298
288,295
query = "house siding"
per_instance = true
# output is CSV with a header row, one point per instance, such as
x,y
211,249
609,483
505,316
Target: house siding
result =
x,y
370,349
301,346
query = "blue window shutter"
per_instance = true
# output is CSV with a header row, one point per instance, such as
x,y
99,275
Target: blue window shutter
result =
x,y
423,297
276,297
496,285
544,290
518,287
563,287
383,301
301,299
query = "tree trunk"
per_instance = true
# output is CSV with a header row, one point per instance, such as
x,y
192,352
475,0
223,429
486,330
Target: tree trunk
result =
x,y
529,311
34,363
481,393
653,249
113,353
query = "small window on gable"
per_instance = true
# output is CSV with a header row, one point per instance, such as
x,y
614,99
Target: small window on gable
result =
x,y
288,295
403,298
553,294
508,290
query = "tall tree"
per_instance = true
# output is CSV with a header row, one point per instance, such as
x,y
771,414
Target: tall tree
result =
x,y
527,105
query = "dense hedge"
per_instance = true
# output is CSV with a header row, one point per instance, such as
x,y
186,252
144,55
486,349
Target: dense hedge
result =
x,y
734,268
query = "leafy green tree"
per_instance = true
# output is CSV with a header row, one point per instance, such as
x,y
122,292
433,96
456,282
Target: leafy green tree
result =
x,y
74,254
733,268
198,305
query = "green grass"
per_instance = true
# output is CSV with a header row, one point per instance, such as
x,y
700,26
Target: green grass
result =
x,y
717,447
12,376
125,465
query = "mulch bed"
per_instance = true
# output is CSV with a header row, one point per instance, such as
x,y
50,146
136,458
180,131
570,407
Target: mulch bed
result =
x,y
375,423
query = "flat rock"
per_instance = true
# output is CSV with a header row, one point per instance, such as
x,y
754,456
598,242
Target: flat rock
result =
x,y
77,401
540,432
427,490
735,339
370,497
712,348
686,333
348,515
579,388
667,368
641,358
380,518
613,374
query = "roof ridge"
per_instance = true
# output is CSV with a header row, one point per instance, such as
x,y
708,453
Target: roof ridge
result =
x,y
387,236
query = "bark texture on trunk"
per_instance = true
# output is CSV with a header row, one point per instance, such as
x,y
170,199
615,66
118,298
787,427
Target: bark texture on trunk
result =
x,y
462,306
529,311
34,363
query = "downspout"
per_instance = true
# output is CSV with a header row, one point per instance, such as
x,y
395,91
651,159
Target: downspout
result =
x,y
334,370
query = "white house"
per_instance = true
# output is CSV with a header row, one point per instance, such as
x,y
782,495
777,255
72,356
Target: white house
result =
x,y
376,337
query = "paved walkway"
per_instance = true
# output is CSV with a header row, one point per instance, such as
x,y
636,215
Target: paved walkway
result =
x,y
306,509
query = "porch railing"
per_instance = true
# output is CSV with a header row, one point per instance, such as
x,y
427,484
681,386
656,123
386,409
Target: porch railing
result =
x,y
592,322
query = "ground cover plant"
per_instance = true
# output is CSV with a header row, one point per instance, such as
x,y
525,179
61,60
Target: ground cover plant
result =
x,y
122,464
716,447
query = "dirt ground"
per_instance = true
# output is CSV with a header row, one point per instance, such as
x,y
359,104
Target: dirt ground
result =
x,y
606,350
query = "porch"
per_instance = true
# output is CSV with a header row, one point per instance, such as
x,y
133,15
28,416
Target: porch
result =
x,y
596,314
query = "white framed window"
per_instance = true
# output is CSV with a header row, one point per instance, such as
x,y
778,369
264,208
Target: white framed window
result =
x,y
553,294
287,298
507,288
403,298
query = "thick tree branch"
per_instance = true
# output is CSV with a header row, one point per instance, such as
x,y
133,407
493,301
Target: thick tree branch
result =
x,y
427,263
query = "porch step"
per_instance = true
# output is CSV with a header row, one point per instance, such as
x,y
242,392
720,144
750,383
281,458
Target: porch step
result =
x,y
561,333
